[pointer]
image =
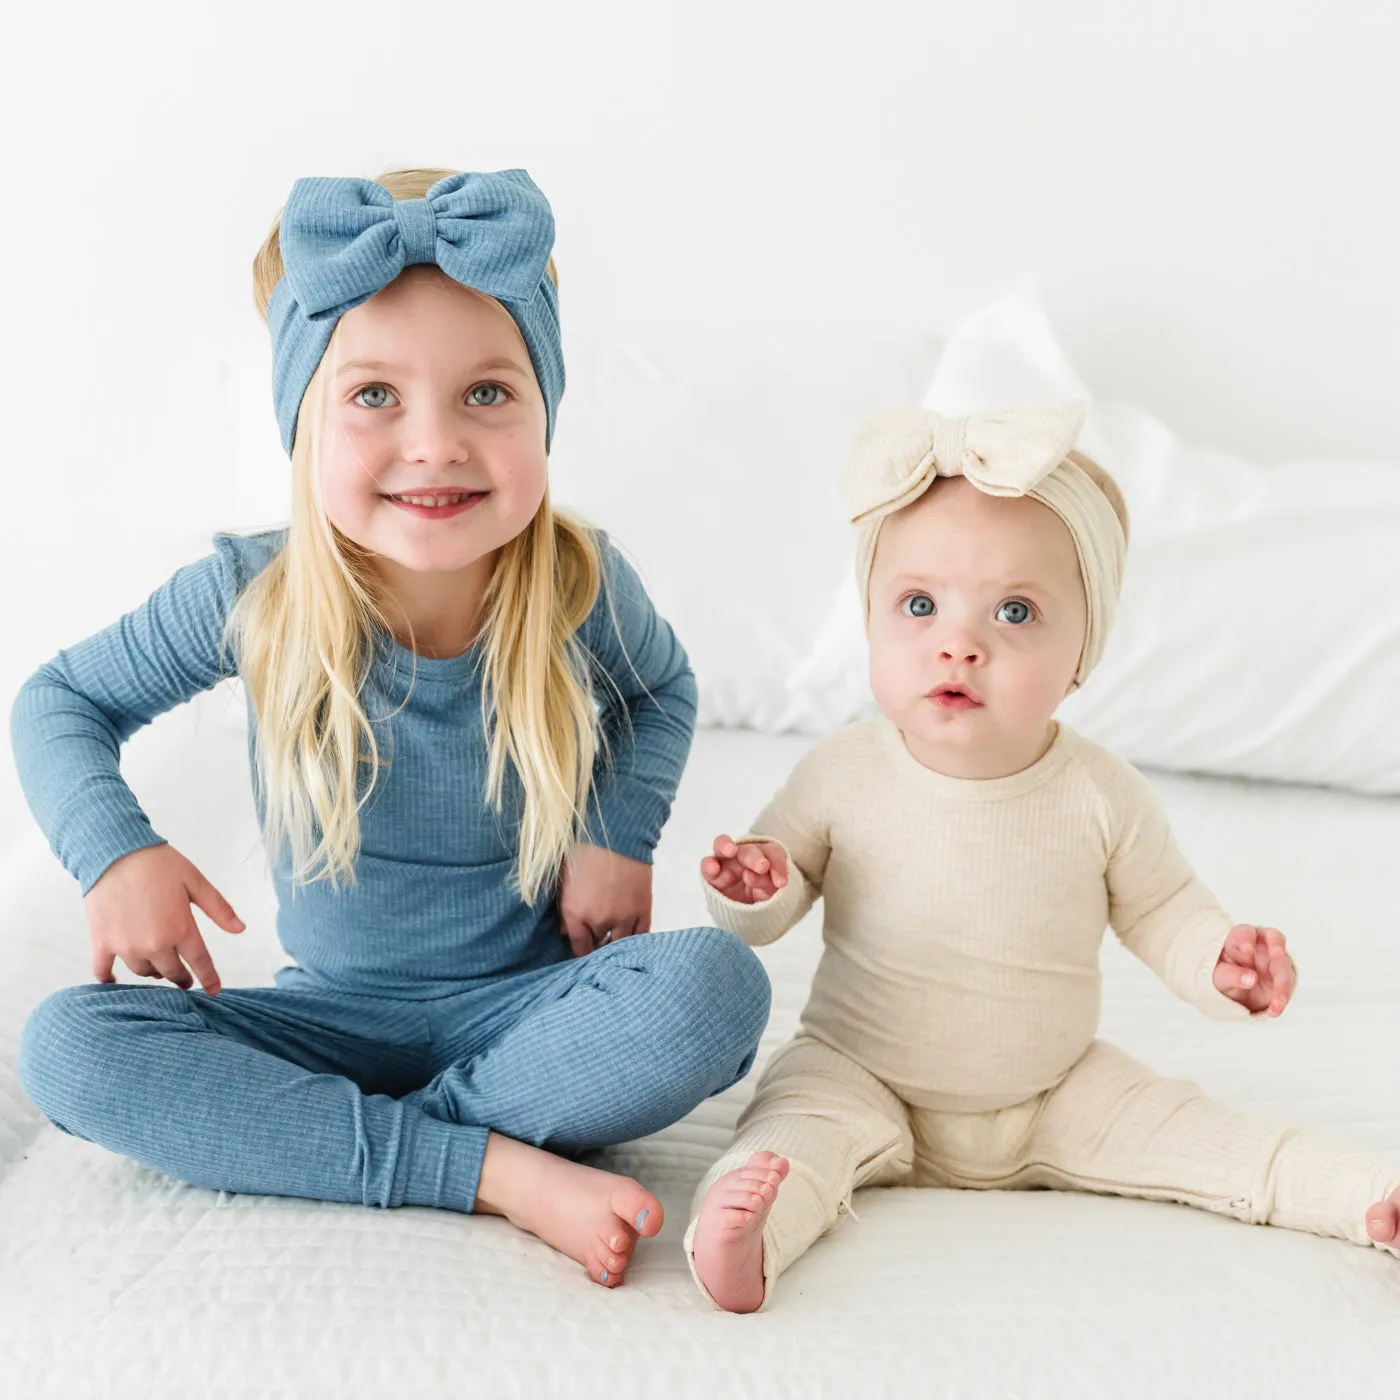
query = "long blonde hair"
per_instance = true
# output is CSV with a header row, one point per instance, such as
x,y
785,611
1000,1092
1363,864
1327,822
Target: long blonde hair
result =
x,y
304,633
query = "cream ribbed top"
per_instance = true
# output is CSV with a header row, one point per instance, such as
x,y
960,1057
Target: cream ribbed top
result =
x,y
963,917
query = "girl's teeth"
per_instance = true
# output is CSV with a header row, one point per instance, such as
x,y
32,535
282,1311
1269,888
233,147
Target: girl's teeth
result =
x,y
433,500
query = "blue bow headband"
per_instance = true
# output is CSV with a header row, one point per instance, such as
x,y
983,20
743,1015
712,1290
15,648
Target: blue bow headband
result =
x,y
343,240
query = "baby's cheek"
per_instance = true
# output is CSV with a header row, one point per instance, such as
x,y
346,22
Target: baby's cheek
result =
x,y
891,681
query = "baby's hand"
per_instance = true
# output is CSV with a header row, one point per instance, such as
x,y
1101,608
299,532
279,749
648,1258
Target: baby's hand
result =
x,y
1255,969
748,873
139,911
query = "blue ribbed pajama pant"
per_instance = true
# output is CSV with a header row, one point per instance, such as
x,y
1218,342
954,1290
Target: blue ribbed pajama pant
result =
x,y
304,1090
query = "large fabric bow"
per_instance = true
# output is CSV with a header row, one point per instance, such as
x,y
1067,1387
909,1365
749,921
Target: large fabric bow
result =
x,y
897,454
343,240
1010,452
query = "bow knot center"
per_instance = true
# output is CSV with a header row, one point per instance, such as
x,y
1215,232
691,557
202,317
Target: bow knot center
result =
x,y
949,444
418,230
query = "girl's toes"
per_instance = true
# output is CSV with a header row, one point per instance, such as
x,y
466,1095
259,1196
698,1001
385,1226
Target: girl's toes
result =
x,y
613,1260
621,1242
637,1208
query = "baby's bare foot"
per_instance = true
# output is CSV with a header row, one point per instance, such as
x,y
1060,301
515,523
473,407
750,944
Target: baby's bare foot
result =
x,y
592,1216
728,1241
1383,1222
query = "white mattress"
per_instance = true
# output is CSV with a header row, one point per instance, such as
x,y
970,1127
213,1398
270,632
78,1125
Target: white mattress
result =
x,y
117,1281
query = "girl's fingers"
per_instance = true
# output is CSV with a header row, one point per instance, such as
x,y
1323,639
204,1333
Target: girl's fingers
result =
x,y
580,938
168,964
140,967
102,966
192,949
215,905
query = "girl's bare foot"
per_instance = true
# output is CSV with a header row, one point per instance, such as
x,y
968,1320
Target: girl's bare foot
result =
x,y
1383,1222
592,1216
728,1240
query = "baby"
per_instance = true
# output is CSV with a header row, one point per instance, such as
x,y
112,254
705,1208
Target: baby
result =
x,y
970,850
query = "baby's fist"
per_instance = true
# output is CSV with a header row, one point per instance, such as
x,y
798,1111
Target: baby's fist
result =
x,y
749,872
1255,969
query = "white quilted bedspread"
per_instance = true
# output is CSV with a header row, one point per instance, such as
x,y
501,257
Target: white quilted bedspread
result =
x,y
115,1281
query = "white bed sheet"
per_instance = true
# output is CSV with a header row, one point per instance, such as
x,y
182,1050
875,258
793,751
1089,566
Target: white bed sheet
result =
x,y
116,1281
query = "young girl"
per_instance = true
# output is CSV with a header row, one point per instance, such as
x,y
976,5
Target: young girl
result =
x,y
467,723
970,851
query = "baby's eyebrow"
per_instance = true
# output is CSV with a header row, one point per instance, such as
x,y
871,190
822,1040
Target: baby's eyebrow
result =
x,y
1022,586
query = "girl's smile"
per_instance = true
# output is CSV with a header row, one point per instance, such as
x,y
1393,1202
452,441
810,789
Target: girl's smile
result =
x,y
436,504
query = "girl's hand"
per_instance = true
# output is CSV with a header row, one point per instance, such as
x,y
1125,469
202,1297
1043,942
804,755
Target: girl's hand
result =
x,y
139,911
602,897
748,873
1255,969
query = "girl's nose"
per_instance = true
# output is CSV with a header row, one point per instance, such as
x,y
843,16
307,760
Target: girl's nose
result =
x,y
435,437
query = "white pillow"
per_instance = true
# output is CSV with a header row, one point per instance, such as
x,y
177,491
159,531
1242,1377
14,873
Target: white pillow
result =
x,y
711,455
1259,630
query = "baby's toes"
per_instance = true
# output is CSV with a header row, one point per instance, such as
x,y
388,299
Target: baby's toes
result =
x,y
1383,1222
769,1161
759,1184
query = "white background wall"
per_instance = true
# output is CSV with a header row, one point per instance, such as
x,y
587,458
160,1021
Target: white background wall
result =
x,y
1206,192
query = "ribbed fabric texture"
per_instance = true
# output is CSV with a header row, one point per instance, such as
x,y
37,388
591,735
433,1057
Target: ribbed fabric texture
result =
x,y
1111,1126
950,1037
429,1006
963,919
432,908
343,239
301,1091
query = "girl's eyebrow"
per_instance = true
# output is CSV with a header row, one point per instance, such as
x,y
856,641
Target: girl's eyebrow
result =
x,y
382,367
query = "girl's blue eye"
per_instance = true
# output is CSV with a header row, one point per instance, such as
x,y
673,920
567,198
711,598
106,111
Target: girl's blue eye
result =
x,y
1014,611
486,389
917,605
373,396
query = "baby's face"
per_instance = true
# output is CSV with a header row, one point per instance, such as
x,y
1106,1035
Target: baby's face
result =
x,y
430,390
980,594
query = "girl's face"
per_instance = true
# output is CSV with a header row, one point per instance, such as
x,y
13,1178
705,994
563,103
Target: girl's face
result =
x,y
433,446
981,596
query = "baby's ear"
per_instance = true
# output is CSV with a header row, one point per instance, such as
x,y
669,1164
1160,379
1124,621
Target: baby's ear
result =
x,y
1106,484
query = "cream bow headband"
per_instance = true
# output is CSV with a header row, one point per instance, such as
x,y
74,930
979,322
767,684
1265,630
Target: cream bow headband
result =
x,y
1011,452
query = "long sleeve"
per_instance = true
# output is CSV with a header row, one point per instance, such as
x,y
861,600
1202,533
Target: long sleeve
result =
x,y
72,716
796,819
647,697
1160,909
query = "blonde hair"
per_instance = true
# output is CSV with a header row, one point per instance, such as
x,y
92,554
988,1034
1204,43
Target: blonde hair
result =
x,y
304,631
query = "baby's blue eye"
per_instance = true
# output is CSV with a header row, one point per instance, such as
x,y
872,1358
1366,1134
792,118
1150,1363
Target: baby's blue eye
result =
x,y
917,605
1014,611
487,389
373,396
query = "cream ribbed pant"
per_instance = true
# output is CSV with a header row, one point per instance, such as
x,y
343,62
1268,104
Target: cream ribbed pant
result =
x,y
1111,1125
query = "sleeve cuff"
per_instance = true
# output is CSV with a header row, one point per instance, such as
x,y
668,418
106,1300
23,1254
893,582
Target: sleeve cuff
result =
x,y
626,816
758,924
1192,964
